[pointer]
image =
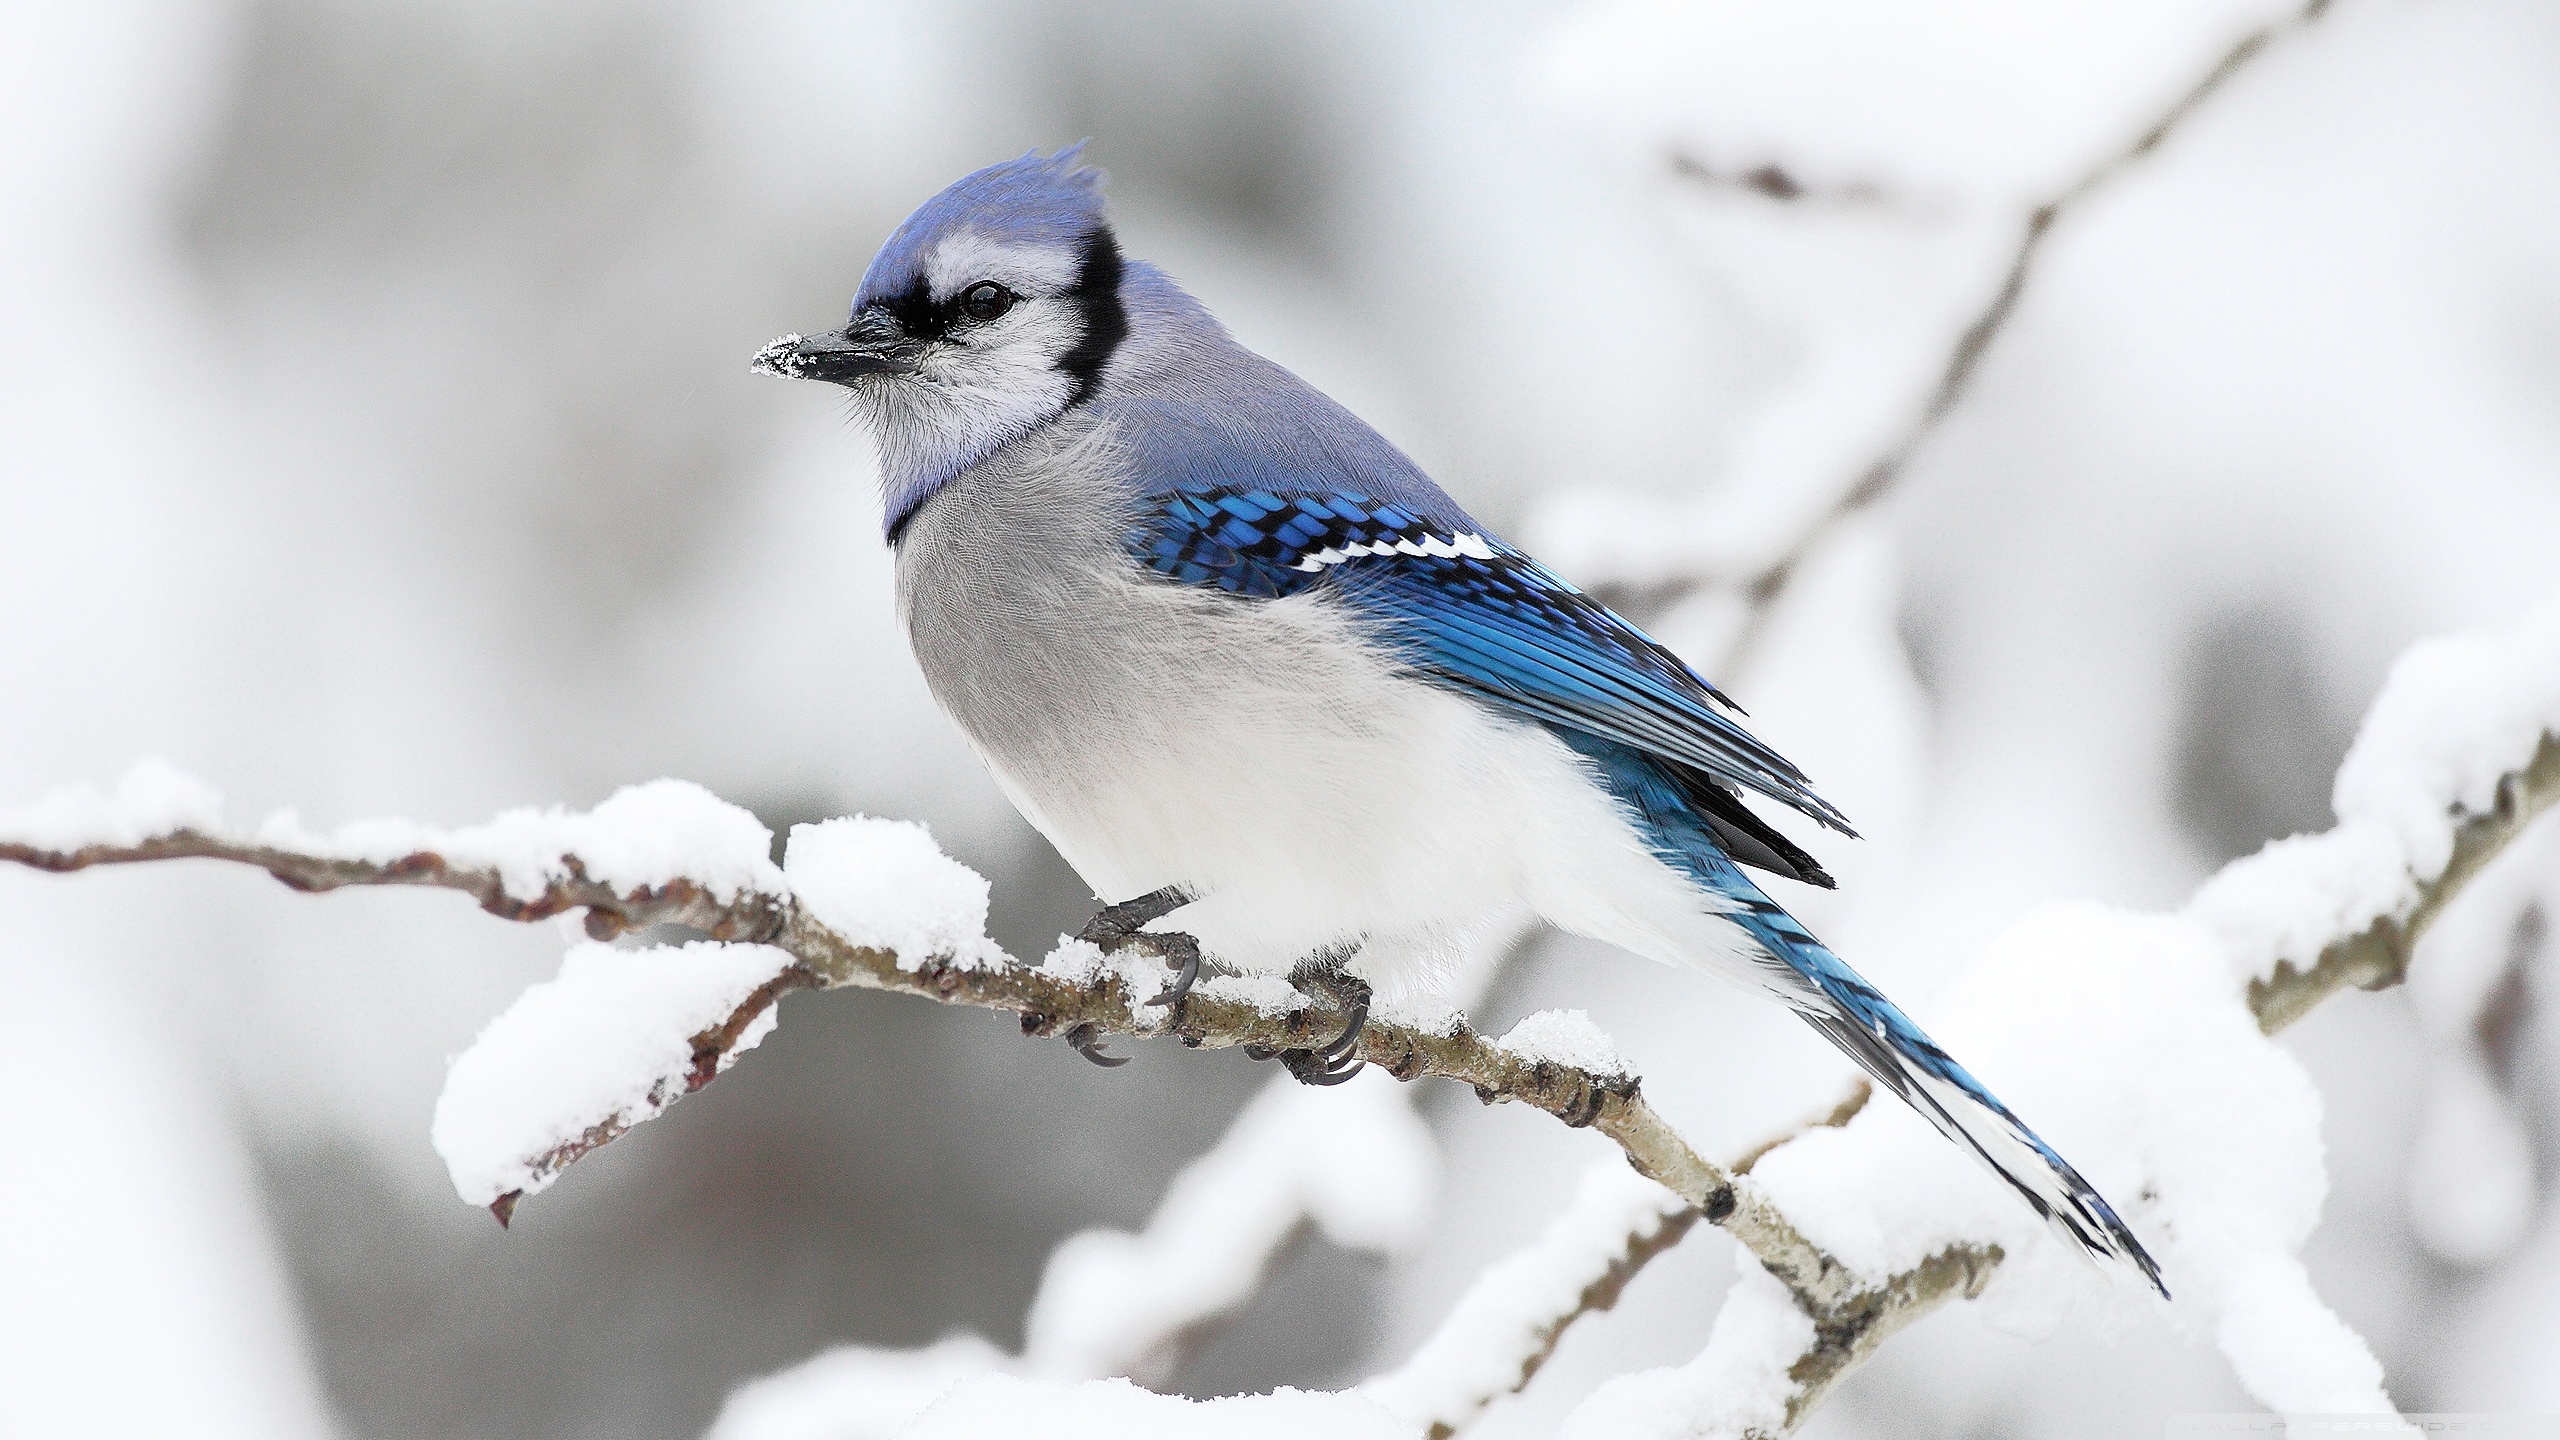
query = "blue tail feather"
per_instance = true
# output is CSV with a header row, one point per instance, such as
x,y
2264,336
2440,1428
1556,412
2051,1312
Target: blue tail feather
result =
x,y
1852,1014
1873,1031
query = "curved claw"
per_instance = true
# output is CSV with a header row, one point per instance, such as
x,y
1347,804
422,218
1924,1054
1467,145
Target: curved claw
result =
x,y
1087,1042
1188,950
1309,1067
1348,1042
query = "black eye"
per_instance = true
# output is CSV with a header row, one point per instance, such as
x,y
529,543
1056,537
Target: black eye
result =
x,y
986,300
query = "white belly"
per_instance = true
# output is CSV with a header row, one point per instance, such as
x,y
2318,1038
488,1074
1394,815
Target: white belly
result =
x,y
1260,755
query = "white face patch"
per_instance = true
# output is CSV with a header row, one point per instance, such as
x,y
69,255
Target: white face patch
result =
x,y
977,388
1471,546
987,381
965,257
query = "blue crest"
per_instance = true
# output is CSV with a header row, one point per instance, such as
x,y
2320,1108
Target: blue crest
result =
x,y
1038,199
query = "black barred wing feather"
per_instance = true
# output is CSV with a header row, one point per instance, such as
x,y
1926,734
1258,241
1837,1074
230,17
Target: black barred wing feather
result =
x,y
1473,614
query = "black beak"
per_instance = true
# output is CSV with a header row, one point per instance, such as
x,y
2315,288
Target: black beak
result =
x,y
872,345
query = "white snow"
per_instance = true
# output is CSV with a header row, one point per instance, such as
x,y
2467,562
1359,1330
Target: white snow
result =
x,y
642,835
853,1392
2126,1041
1977,98
1082,963
1502,1320
1565,1037
1273,995
885,884
2122,1040
153,798
993,1405
1927,134
609,1041
2471,1175
1353,1159
1737,1386
1420,1009
2456,714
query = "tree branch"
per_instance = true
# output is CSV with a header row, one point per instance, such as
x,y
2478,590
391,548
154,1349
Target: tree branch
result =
x,y
1850,1318
1849,1328
2377,957
1964,358
1048,1002
2373,958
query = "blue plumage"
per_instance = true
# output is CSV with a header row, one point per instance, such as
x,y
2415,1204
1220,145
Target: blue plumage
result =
x,y
1471,612
1132,550
1054,199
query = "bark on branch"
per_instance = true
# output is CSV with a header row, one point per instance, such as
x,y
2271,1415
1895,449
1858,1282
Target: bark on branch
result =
x,y
1048,1002
1851,1318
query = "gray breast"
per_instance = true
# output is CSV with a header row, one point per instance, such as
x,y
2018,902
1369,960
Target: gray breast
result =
x,y
1133,720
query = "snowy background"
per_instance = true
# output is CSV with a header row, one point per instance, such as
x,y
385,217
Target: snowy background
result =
x,y
376,437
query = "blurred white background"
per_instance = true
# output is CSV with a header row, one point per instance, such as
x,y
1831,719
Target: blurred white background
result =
x,y
376,436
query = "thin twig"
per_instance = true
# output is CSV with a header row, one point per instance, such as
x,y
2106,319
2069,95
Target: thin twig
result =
x,y
1965,357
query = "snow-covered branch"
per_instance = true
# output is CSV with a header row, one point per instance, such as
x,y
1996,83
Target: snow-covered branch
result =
x,y
1855,1233
1974,341
1512,1318
860,903
2459,755
1750,539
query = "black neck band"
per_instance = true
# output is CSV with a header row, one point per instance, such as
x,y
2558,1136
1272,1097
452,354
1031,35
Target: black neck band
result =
x,y
1106,322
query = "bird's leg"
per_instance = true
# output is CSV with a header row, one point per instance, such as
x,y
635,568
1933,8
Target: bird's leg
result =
x,y
1111,927
1337,1060
1118,925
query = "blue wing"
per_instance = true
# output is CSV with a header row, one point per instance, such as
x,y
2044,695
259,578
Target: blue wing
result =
x,y
1476,615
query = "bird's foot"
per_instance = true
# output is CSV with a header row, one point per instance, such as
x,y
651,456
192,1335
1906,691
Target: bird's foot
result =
x,y
1338,1059
1086,1040
1120,925
1183,953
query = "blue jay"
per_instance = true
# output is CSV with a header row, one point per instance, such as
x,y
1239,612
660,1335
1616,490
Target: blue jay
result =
x,y
1236,656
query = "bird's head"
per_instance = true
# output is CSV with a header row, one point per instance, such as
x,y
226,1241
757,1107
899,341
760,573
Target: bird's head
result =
x,y
991,311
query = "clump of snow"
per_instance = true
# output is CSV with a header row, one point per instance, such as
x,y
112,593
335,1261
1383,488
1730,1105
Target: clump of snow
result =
x,y
2292,899
1083,963
854,1392
608,1042
1565,1037
1503,1319
641,836
1119,1410
1737,1386
2122,1040
2456,714
1420,1009
1354,1159
1272,995
885,884
2471,1176
153,798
